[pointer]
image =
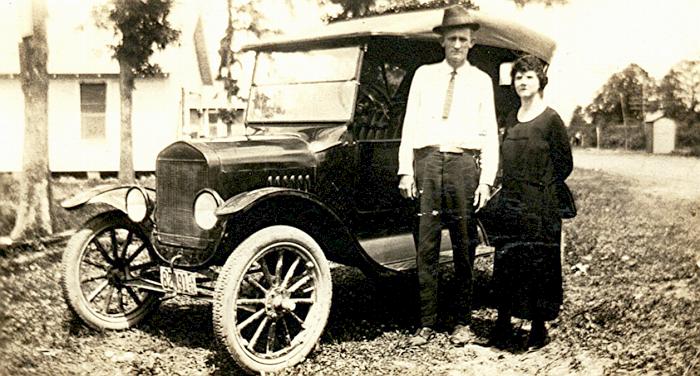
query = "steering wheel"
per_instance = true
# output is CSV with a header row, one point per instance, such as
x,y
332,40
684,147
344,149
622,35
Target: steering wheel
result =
x,y
375,104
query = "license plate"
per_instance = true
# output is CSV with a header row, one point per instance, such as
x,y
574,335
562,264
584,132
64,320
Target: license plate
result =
x,y
180,281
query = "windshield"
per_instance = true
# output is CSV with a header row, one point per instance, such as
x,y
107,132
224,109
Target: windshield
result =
x,y
316,85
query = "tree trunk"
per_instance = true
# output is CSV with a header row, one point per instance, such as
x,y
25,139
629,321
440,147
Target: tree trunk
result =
x,y
598,136
126,89
34,206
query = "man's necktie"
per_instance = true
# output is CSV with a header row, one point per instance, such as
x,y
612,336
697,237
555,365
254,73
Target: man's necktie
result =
x,y
448,97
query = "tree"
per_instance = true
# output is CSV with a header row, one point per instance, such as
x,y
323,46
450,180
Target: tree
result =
x,y
33,213
580,124
251,23
680,92
625,98
363,8
548,3
626,94
139,25
242,17
578,118
353,8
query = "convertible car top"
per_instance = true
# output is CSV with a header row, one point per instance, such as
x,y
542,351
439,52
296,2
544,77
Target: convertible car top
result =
x,y
494,31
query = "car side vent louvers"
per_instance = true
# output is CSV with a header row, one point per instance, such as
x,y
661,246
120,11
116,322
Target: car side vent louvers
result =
x,y
300,182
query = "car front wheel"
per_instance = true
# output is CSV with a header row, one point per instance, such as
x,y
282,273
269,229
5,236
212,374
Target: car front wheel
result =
x,y
99,261
272,299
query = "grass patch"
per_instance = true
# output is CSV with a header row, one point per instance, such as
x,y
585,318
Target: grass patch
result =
x,y
640,286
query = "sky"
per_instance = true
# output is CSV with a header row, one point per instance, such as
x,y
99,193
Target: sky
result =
x,y
597,38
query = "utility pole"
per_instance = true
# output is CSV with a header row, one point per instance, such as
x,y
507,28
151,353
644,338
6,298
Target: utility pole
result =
x,y
643,110
623,107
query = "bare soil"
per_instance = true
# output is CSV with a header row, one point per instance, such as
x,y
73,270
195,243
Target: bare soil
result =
x,y
632,303
657,174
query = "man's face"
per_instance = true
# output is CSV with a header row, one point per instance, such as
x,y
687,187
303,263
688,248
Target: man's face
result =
x,y
457,43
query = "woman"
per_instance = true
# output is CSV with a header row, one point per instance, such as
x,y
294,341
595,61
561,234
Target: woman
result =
x,y
536,156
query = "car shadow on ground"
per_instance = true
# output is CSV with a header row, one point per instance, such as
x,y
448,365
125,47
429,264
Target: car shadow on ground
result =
x,y
362,309
186,322
365,308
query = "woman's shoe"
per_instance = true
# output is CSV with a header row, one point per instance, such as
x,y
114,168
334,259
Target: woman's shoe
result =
x,y
422,337
462,335
538,335
501,334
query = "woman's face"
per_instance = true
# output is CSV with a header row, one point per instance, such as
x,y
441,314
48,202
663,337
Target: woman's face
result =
x,y
526,84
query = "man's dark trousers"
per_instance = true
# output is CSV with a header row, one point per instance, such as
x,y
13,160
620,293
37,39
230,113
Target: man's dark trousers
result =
x,y
446,182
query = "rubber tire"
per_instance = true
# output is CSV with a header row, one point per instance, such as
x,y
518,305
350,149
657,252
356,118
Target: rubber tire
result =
x,y
70,280
226,290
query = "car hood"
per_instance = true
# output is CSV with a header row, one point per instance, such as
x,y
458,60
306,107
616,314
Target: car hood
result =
x,y
256,152
292,150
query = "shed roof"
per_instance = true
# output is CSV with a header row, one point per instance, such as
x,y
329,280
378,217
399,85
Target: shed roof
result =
x,y
494,31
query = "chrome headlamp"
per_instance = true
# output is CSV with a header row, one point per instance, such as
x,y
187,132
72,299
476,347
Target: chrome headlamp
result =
x,y
137,204
205,205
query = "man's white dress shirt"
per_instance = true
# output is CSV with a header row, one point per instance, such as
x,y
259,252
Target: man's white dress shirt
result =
x,y
471,123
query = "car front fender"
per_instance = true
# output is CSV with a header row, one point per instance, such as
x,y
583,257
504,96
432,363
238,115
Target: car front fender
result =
x,y
320,222
112,195
244,200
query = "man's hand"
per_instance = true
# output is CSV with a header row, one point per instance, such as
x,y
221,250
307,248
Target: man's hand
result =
x,y
407,187
481,196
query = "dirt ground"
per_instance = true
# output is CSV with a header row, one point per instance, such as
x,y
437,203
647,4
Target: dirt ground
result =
x,y
632,303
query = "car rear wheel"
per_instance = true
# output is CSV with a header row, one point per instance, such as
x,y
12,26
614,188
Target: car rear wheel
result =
x,y
272,299
98,262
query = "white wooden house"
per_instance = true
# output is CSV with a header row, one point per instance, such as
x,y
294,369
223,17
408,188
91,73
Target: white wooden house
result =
x,y
84,102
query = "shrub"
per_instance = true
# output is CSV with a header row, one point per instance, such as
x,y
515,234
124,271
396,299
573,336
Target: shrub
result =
x,y
8,198
614,137
587,133
688,138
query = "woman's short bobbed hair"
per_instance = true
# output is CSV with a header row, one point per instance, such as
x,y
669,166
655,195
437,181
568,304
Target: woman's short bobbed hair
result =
x,y
528,63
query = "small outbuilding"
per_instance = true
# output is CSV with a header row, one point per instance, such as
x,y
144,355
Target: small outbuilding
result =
x,y
660,133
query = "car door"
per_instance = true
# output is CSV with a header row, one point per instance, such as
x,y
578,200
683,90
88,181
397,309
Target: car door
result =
x,y
377,131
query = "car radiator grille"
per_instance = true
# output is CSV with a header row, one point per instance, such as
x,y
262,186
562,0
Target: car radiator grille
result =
x,y
177,184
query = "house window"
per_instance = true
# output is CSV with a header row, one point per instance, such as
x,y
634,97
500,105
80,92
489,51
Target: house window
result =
x,y
93,101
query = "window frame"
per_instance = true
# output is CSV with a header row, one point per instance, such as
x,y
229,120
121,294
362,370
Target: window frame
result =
x,y
93,111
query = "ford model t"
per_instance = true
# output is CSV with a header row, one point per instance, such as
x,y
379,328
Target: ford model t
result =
x,y
251,223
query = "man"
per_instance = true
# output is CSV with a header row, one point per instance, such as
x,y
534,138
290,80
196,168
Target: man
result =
x,y
450,117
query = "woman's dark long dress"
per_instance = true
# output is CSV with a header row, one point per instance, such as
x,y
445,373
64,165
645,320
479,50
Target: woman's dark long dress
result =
x,y
527,275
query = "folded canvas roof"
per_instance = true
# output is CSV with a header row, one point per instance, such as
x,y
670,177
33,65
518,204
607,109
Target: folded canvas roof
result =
x,y
494,31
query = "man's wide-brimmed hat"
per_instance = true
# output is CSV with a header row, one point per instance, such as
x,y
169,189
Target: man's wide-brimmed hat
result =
x,y
454,17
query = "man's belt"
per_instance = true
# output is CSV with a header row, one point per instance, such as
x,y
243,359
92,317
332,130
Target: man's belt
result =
x,y
450,150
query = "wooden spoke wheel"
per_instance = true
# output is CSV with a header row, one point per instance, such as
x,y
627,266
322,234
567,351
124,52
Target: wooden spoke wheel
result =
x,y
98,262
272,299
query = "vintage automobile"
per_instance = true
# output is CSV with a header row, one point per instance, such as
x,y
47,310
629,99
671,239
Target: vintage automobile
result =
x,y
251,223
